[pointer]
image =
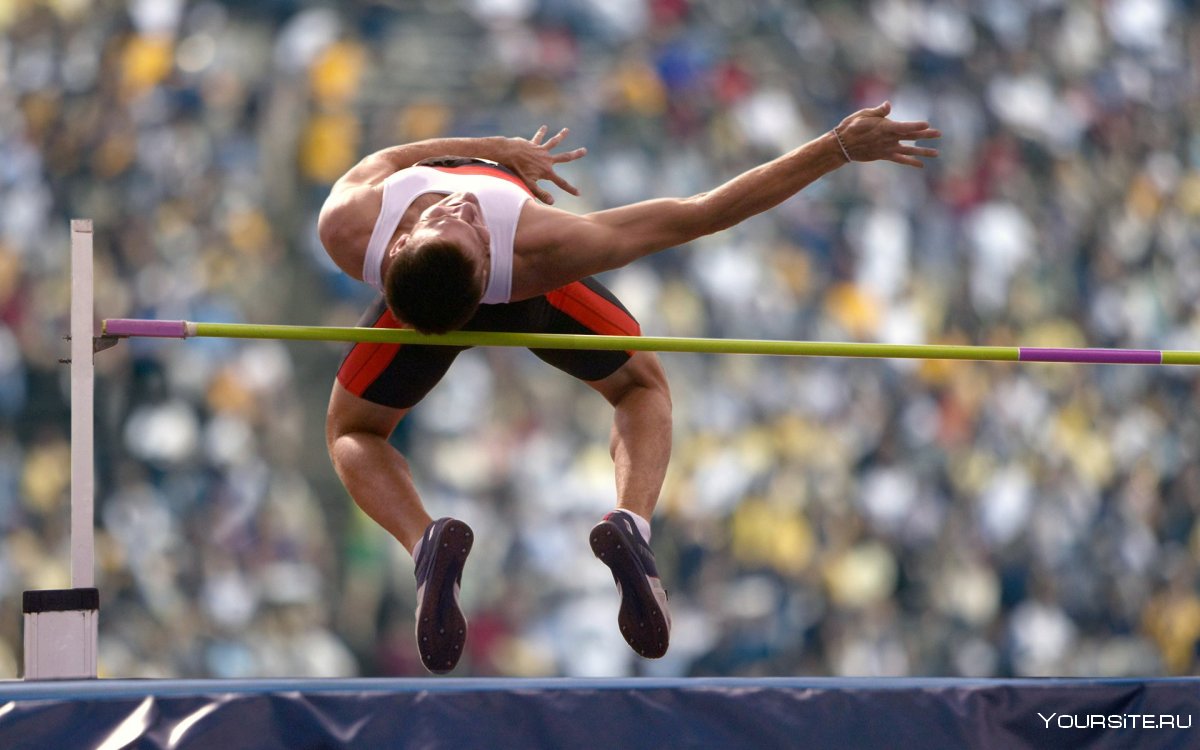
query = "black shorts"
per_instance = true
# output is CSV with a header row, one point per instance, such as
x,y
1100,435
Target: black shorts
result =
x,y
399,375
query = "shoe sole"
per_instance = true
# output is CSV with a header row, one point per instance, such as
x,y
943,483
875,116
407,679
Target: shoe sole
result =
x,y
442,628
641,619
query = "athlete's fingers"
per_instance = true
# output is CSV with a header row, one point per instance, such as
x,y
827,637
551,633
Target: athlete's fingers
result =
x,y
930,153
921,135
558,180
907,160
556,139
537,137
913,131
881,111
532,184
567,156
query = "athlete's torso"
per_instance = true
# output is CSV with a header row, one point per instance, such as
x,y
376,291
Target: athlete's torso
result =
x,y
501,196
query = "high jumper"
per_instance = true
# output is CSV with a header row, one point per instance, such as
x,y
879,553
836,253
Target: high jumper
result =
x,y
447,232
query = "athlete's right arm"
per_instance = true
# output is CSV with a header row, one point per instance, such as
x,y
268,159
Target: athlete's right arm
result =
x,y
530,159
348,215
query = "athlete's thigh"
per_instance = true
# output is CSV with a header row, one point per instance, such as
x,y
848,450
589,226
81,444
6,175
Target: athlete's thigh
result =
x,y
585,307
392,375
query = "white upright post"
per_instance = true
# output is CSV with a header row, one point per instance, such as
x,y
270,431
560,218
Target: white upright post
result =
x,y
83,483
61,624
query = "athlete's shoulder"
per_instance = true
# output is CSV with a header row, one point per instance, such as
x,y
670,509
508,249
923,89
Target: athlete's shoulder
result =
x,y
345,223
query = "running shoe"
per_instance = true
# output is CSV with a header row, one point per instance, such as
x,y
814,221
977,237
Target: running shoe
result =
x,y
644,618
441,626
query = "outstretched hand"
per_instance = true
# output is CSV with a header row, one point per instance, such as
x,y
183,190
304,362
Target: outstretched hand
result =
x,y
532,161
868,135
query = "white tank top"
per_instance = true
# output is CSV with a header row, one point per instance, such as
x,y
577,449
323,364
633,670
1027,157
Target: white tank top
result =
x,y
500,199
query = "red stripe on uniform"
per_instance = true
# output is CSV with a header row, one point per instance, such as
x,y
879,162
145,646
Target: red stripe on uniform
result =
x,y
366,362
593,311
481,169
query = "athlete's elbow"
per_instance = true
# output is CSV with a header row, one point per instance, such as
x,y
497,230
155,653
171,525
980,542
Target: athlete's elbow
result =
x,y
702,217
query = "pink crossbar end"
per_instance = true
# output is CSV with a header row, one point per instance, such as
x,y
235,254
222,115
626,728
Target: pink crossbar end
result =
x,y
174,329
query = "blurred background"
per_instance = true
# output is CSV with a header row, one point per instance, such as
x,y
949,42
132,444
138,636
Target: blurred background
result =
x,y
821,517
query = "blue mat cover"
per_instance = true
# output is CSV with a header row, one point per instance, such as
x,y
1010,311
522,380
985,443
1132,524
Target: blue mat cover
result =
x,y
871,714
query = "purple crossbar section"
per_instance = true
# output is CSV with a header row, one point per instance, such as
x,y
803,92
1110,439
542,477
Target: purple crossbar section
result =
x,y
1093,356
175,329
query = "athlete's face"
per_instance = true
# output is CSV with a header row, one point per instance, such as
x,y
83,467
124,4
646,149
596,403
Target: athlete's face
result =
x,y
457,218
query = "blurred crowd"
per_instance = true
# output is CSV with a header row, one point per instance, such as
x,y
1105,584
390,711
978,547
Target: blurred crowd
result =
x,y
821,516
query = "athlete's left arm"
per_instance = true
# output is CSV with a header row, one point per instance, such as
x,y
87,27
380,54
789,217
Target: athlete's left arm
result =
x,y
558,247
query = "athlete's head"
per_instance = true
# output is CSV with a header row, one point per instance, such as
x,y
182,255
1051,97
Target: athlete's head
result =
x,y
439,270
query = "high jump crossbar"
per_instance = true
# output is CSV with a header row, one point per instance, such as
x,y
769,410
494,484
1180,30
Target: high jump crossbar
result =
x,y
118,328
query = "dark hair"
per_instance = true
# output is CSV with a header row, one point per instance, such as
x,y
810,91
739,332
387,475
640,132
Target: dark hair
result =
x,y
433,286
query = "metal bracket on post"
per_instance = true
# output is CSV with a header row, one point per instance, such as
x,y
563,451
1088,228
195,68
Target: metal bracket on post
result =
x,y
61,625
100,343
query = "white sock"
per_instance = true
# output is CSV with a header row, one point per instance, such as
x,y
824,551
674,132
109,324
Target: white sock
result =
x,y
643,526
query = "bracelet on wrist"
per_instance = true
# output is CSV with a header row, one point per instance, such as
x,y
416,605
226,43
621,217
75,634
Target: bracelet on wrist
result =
x,y
845,153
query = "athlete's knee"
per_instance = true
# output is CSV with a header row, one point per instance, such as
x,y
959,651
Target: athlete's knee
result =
x,y
643,375
340,438
651,374
350,417
335,430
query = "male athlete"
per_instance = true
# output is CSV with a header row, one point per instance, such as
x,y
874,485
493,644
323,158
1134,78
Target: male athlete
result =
x,y
446,231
